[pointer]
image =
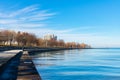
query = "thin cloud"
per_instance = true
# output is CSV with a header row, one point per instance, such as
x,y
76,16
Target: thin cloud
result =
x,y
8,21
24,11
28,17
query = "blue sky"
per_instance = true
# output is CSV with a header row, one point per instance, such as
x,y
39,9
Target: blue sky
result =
x,y
95,22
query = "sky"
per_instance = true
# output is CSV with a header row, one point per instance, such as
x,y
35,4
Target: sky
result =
x,y
94,22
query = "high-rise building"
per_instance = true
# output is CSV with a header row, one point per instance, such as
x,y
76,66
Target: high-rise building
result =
x,y
50,37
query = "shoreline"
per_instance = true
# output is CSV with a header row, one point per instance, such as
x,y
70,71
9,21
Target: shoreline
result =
x,y
19,61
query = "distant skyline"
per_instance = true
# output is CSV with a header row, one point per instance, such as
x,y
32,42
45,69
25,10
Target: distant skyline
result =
x,y
95,22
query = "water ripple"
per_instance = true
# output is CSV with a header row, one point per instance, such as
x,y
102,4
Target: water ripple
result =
x,y
86,64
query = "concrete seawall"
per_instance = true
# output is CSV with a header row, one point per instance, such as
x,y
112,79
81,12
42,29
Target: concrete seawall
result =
x,y
26,68
19,67
33,51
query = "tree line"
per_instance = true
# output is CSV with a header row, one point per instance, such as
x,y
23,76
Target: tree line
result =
x,y
12,38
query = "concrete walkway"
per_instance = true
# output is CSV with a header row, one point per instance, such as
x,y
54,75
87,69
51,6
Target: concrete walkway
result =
x,y
8,70
6,55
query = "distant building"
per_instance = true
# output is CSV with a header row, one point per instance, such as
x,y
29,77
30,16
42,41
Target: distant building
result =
x,y
50,37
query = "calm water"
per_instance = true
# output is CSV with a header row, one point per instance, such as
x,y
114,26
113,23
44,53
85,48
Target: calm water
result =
x,y
86,64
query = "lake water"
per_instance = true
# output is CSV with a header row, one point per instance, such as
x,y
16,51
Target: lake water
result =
x,y
83,64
